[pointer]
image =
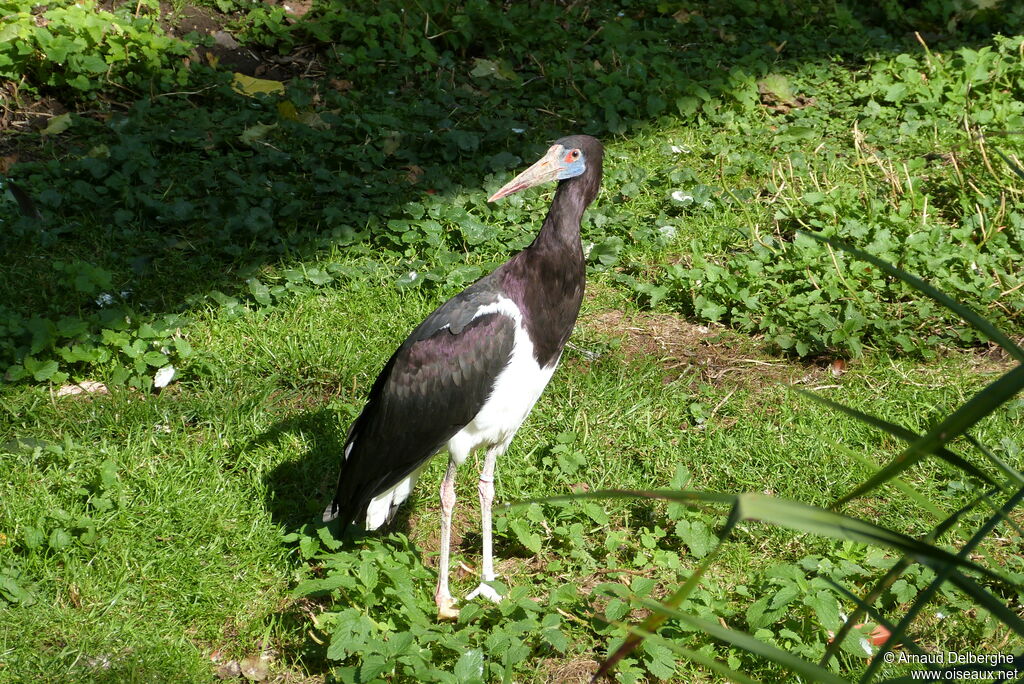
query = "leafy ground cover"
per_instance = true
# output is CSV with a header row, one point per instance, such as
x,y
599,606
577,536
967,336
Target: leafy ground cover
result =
x,y
274,246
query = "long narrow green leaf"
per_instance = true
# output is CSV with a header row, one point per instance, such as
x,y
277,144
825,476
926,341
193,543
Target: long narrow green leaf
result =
x,y
903,433
941,575
889,578
977,407
838,526
696,656
962,310
748,643
919,498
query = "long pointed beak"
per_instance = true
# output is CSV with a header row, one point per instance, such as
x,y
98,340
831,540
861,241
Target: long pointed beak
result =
x,y
544,171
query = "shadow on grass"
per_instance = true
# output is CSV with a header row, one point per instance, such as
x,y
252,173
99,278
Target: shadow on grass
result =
x,y
298,489
183,196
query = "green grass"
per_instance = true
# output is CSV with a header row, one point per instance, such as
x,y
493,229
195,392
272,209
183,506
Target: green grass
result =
x,y
178,551
145,534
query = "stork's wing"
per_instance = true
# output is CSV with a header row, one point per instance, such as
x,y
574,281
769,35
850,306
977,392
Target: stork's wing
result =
x,y
432,387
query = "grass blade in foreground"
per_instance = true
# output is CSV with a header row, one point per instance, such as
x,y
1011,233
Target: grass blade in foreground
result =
x,y
888,579
655,620
902,433
1009,618
750,644
977,407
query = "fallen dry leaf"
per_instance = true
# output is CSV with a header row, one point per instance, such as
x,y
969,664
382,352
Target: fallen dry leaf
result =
x,y
414,173
297,8
229,670
6,162
84,387
254,669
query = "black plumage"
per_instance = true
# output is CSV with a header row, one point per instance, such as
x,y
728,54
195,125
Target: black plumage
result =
x,y
481,358
432,386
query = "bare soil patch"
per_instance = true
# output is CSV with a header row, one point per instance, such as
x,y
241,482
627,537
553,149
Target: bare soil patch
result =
x,y
574,671
711,353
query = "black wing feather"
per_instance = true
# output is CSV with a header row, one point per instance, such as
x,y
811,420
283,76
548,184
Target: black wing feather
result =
x,y
431,388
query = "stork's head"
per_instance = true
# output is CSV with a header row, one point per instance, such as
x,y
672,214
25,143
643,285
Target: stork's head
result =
x,y
567,158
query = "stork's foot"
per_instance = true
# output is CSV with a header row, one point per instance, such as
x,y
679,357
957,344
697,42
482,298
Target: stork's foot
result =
x,y
446,608
487,591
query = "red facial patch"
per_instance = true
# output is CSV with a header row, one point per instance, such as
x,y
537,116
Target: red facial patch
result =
x,y
568,158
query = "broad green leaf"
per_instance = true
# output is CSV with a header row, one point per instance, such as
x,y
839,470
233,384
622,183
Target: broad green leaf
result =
x,y
699,539
470,666
259,291
57,124
14,592
155,359
59,539
825,607
40,370
248,85
531,540
34,537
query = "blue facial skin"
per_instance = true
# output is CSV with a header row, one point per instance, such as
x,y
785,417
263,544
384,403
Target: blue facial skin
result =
x,y
573,169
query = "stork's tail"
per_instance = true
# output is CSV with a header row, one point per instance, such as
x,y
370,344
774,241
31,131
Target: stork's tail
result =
x,y
331,512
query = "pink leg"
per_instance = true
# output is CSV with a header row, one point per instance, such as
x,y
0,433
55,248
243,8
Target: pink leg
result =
x,y
486,489
446,609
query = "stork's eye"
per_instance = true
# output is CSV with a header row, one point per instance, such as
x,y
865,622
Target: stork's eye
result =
x,y
575,155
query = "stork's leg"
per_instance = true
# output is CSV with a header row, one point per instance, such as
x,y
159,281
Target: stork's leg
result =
x,y
446,609
486,489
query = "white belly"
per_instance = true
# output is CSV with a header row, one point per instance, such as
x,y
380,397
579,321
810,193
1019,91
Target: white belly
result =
x,y
515,391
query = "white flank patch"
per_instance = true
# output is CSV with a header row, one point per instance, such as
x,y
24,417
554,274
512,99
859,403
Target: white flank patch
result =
x,y
515,391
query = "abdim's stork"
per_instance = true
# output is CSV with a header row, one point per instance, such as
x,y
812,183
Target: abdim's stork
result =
x,y
469,374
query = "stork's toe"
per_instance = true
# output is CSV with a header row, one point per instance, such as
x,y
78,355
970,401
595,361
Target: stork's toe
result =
x,y
446,609
486,591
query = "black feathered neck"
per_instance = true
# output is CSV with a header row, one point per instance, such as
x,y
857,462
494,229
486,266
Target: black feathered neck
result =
x,y
573,195
546,280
